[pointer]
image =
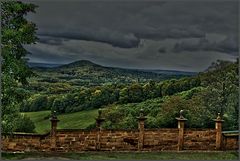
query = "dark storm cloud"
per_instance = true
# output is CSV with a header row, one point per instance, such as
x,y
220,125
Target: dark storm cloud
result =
x,y
162,50
136,34
228,45
41,56
171,33
50,40
111,37
123,24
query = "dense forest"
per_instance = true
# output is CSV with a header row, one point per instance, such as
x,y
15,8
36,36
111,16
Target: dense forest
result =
x,y
48,90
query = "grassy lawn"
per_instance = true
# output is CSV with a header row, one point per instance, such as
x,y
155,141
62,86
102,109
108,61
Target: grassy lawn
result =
x,y
126,155
77,120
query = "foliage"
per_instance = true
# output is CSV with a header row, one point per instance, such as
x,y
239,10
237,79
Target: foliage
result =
x,y
200,104
197,102
25,124
16,32
222,96
96,97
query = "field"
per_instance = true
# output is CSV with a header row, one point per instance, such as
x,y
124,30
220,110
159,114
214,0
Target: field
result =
x,y
77,120
126,155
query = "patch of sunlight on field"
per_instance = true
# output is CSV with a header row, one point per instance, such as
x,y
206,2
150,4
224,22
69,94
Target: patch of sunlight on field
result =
x,y
77,120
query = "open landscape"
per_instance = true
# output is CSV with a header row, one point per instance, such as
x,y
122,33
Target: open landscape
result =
x,y
155,80
77,104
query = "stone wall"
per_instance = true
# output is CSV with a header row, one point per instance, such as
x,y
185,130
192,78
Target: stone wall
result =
x,y
199,139
230,141
76,140
94,140
25,142
117,140
160,139
163,139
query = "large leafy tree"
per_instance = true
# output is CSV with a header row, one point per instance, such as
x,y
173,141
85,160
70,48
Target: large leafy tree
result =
x,y
221,96
16,31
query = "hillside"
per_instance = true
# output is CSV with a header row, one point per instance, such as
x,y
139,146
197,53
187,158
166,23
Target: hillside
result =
x,y
86,118
200,97
86,73
77,120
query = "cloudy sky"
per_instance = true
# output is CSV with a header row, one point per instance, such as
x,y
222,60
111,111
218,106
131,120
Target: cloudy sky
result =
x,y
174,35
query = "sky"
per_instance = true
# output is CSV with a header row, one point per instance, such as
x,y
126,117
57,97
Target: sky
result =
x,y
173,35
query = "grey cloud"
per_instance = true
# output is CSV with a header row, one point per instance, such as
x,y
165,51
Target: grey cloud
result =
x,y
50,40
46,57
115,38
228,45
137,34
122,25
162,50
171,33
121,39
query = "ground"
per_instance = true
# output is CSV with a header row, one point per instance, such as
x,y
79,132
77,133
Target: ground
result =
x,y
124,155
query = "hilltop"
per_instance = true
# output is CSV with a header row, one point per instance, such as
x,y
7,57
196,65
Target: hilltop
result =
x,y
87,73
80,63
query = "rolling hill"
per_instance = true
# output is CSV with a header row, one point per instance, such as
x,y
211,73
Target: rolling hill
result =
x,y
86,73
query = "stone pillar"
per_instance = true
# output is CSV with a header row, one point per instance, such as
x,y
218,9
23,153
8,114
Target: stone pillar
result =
x,y
218,127
99,121
181,122
53,133
141,120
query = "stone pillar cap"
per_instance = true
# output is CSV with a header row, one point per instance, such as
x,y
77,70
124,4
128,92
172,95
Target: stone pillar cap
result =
x,y
54,116
99,117
141,117
181,118
218,119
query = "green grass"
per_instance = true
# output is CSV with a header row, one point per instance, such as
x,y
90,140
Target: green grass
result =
x,y
127,155
77,120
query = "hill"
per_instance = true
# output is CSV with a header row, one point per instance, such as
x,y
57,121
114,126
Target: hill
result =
x,y
86,73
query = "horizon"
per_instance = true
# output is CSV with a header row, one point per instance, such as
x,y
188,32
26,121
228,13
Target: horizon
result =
x,y
170,70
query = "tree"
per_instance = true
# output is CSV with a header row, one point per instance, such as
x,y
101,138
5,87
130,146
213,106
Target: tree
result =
x,y
222,82
170,110
222,95
16,32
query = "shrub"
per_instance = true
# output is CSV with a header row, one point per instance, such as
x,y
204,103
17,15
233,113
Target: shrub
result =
x,y
25,124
